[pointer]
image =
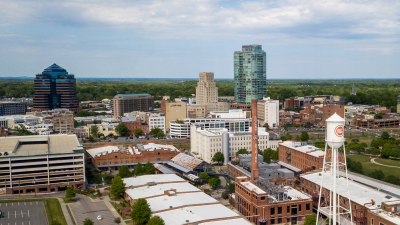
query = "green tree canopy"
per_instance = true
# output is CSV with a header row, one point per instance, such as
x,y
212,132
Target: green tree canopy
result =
x,y
94,130
139,170
118,186
311,219
21,131
156,220
242,151
124,171
377,174
304,136
266,125
218,157
141,211
69,193
160,134
154,131
138,131
214,182
121,129
204,176
149,168
385,135
88,221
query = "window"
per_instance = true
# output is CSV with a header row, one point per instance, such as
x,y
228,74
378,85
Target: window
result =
x,y
279,210
115,156
381,223
262,198
308,206
300,208
279,220
99,163
272,211
288,209
372,221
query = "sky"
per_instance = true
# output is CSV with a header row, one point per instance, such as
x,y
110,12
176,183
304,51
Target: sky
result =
x,y
303,39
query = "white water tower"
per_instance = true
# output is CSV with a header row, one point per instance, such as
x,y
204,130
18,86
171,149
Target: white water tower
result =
x,y
332,208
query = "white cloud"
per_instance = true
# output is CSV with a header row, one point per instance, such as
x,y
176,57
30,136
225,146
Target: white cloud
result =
x,y
207,19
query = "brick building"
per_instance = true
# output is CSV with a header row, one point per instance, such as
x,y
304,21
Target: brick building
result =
x,y
274,206
369,206
123,103
63,122
111,157
135,122
304,157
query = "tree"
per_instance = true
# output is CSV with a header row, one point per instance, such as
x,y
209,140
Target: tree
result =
x,y
139,170
55,222
304,136
91,138
311,219
377,174
160,134
266,126
124,171
141,211
156,220
121,129
94,130
69,193
218,157
21,131
214,182
385,153
154,131
149,168
77,124
117,220
138,131
118,186
88,221
204,176
385,136
378,116
242,151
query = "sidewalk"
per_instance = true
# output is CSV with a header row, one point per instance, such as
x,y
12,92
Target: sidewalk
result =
x,y
107,200
65,211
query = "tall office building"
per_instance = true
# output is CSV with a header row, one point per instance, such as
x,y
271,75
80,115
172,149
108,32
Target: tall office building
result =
x,y
250,68
55,88
124,103
206,90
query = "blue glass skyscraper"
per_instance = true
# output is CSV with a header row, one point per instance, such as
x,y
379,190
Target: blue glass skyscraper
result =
x,y
55,88
250,74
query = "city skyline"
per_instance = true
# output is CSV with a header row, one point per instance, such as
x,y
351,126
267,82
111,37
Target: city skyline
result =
x,y
302,39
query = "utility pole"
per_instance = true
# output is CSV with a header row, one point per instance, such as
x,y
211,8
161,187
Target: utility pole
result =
x,y
19,188
5,185
34,184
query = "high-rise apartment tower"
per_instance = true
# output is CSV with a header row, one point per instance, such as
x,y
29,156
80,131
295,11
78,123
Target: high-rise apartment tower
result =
x,y
250,74
206,90
55,88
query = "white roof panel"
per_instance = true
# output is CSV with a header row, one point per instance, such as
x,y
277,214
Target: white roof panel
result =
x,y
240,221
156,178
195,213
149,191
165,201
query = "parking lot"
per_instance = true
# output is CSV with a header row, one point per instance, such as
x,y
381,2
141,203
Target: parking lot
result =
x,y
86,208
23,213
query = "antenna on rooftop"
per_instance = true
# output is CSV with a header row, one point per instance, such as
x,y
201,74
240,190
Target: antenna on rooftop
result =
x,y
335,209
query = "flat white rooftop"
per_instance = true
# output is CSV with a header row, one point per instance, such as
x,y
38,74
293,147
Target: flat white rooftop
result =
x,y
295,194
103,150
164,202
309,149
150,191
240,221
195,214
358,193
253,187
156,178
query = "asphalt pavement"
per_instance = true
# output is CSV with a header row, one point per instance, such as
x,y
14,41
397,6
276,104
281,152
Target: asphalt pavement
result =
x,y
30,196
87,208
23,213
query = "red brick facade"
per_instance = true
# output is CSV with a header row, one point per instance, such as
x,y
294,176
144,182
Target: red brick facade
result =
x,y
252,204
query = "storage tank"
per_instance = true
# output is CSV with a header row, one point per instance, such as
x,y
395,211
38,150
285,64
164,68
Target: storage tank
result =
x,y
335,131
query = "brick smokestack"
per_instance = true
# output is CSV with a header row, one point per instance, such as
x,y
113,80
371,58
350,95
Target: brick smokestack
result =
x,y
254,142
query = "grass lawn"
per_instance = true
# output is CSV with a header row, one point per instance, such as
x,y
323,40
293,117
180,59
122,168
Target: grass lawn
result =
x,y
369,167
367,141
55,210
69,201
389,162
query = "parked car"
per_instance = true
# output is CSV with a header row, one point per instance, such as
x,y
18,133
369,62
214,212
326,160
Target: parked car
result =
x,y
99,217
